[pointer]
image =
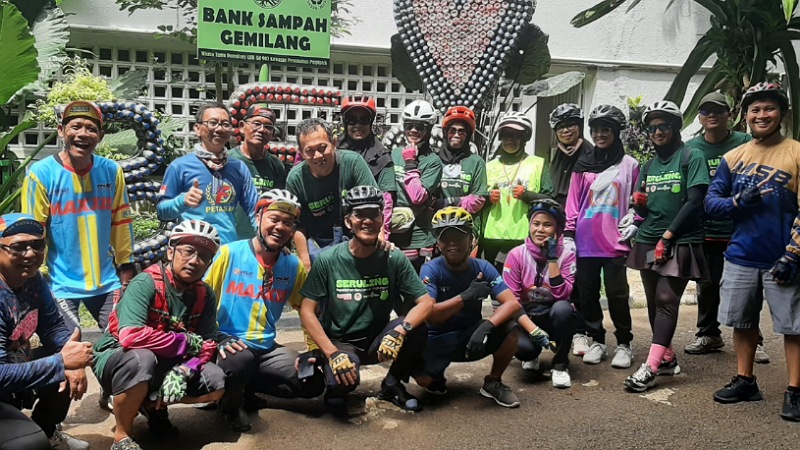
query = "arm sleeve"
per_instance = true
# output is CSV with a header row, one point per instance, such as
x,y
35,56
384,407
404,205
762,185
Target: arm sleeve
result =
x,y
566,264
122,223
171,202
52,330
249,196
718,201
416,192
686,219
207,328
296,298
512,275
388,208
574,201
34,198
420,183
215,276
478,190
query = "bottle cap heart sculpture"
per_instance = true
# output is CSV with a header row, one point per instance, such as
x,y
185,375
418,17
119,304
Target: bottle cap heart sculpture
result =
x,y
459,47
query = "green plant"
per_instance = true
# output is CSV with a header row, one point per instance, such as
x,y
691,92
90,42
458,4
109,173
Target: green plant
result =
x,y
78,84
747,37
634,138
145,226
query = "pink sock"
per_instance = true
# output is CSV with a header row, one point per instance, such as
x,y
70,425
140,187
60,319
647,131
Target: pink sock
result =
x,y
656,355
669,355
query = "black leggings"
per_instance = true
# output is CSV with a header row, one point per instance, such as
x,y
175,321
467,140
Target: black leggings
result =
x,y
663,300
560,323
19,432
615,279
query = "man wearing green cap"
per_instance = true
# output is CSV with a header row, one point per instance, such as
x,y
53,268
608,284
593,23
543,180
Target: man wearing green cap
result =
x,y
716,140
51,375
82,200
268,172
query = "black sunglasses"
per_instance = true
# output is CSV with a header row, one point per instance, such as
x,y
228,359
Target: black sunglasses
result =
x,y
363,120
419,126
20,248
662,127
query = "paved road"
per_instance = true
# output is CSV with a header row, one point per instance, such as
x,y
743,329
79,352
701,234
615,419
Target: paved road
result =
x,y
596,413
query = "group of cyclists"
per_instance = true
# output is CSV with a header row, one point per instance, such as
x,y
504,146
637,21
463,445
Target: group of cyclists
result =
x,y
389,255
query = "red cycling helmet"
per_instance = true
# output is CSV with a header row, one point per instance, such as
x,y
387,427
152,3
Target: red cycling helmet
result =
x,y
359,101
461,113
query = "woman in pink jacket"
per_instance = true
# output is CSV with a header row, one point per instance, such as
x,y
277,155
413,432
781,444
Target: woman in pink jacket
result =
x,y
540,273
602,181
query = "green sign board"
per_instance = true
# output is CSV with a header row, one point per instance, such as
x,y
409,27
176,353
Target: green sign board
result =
x,y
291,32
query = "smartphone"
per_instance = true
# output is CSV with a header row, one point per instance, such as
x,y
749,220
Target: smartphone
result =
x,y
651,257
305,368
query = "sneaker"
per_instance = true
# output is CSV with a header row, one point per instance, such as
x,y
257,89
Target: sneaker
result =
x,y
238,420
669,368
791,406
560,378
106,402
623,357
739,390
761,355
580,344
532,365
597,352
704,344
207,406
63,441
158,421
641,380
500,393
392,390
126,444
437,387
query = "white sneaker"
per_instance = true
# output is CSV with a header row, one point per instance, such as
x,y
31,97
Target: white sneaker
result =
x,y
623,357
761,355
63,441
560,379
597,352
531,365
580,344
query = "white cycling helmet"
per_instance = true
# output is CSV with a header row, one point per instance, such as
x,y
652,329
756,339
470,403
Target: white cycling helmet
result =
x,y
517,121
420,111
664,106
195,232
279,200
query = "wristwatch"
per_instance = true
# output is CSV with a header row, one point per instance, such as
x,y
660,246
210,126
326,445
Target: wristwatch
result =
x,y
408,327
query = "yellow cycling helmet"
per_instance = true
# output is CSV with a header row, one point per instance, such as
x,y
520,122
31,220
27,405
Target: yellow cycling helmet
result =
x,y
452,217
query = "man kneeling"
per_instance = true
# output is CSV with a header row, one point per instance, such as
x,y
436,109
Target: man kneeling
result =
x,y
159,341
457,332
354,287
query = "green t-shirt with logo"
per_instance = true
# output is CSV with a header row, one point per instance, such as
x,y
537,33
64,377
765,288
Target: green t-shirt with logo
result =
x,y
268,173
666,188
718,229
320,198
430,168
357,295
467,177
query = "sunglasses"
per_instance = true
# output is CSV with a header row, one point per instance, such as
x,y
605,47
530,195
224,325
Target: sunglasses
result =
x,y
662,127
565,127
419,126
716,112
459,131
363,120
20,248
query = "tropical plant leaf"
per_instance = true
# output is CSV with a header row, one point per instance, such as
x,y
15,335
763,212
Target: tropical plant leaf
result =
x,y
633,5
597,11
6,138
556,85
31,9
8,204
699,55
788,9
789,57
709,83
532,60
17,51
402,66
129,85
51,31
715,8
11,182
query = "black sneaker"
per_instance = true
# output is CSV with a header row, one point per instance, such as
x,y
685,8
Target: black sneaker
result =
x,y
238,420
392,390
791,406
158,421
669,368
739,390
437,387
641,380
500,393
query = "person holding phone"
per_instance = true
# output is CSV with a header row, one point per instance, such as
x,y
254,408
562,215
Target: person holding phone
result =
x,y
668,251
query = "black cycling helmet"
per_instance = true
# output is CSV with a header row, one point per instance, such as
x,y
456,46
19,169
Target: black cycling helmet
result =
x,y
609,114
566,112
764,90
362,197
551,207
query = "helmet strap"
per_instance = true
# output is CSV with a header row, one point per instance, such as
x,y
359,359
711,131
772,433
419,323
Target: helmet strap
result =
x,y
263,242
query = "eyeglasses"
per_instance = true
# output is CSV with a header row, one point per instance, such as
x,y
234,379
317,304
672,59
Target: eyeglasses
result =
x,y
662,127
602,130
561,128
213,124
20,248
363,120
459,131
419,126
259,125
710,111
190,253
367,213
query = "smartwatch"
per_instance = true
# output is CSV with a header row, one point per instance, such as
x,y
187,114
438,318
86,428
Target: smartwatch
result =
x,y
407,326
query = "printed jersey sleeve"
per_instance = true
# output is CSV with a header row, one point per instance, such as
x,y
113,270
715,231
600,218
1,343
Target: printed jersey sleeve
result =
x,y
718,201
170,197
52,330
34,198
215,276
566,264
296,298
512,273
491,274
574,200
429,279
249,196
20,377
122,223
134,331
